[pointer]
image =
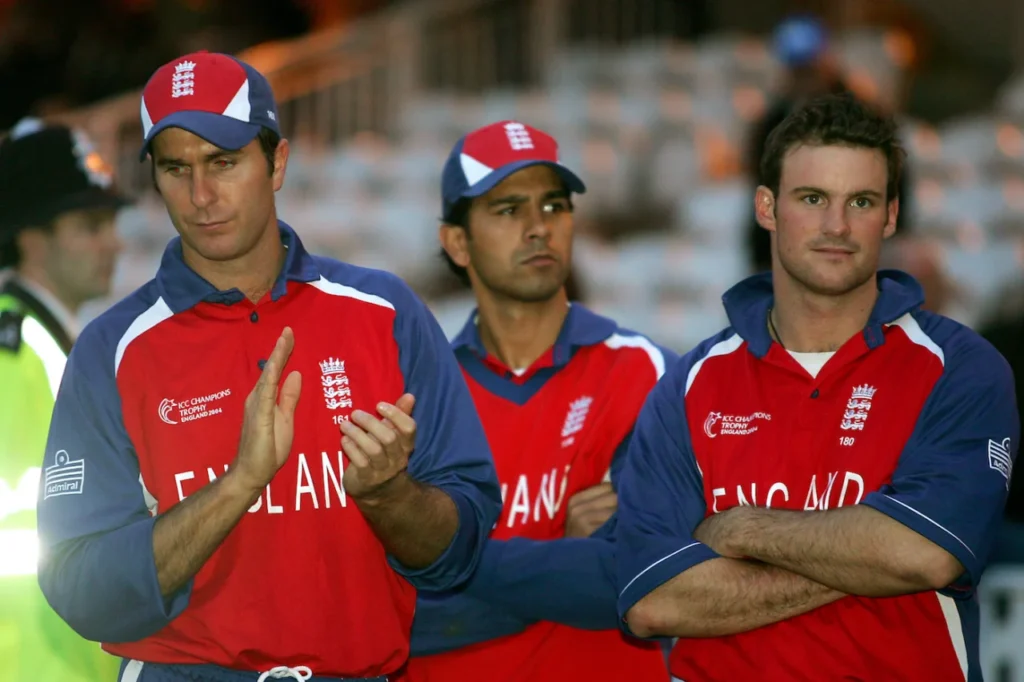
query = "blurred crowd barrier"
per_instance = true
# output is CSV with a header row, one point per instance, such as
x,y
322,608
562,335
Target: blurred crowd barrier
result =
x,y
656,123
1002,624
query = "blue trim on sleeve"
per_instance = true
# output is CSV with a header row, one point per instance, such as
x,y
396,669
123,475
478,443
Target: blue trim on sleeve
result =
x,y
950,484
661,494
619,460
463,547
518,582
126,604
569,581
970,623
450,621
661,571
451,450
521,581
98,570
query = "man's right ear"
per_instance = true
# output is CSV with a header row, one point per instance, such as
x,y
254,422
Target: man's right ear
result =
x,y
764,208
453,241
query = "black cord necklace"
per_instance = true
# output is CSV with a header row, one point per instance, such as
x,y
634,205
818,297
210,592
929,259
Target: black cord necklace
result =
x,y
772,329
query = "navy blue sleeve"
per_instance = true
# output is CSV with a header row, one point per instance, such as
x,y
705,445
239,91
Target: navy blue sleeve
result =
x,y
449,621
451,449
661,496
619,460
97,567
953,476
519,582
569,581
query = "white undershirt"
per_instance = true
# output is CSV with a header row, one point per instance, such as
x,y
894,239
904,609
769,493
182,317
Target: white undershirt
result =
x,y
522,370
812,362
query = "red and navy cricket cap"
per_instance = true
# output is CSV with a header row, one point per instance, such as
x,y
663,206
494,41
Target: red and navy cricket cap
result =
x,y
215,96
488,155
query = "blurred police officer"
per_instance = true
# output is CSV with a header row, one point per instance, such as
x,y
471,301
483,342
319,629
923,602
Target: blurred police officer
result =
x,y
58,247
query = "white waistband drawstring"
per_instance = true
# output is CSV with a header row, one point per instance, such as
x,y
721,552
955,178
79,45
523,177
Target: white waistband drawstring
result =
x,y
283,672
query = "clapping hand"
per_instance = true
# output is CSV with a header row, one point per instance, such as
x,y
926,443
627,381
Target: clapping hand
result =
x,y
378,449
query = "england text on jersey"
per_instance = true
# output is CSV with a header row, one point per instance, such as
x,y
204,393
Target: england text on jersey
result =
x,y
900,418
151,410
558,427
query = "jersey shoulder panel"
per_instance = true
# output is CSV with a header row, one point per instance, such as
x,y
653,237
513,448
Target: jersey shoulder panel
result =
x,y
371,285
695,362
107,337
946,337
638,351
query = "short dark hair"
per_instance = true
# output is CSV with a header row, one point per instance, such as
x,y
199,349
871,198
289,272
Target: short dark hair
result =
x,y
837,119
458,216
268,139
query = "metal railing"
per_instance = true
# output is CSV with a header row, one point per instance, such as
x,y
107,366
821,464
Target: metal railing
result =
x,y
334,85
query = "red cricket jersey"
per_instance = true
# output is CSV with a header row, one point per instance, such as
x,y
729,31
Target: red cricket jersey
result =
x,y
915,418
150,412
555,430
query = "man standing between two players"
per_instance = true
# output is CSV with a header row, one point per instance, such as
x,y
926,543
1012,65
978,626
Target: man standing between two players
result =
x,y
558,389
812,493
198,550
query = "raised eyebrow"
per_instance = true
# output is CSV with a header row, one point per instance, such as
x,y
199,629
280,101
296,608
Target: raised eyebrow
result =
x,y
164,162
853,195
557,194
808,190
514,199
220,154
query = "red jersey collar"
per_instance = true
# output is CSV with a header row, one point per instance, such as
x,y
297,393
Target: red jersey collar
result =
x,y
581,328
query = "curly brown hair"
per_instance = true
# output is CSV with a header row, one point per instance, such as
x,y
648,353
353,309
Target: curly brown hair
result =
x,y
839,119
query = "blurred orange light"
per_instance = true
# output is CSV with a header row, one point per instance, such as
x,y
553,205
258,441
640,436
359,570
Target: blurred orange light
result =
x,y
899,47
749,102
927,142
1010,140
721,159
863,84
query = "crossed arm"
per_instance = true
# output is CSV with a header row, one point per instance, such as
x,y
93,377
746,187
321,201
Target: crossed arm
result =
x,y
777,564
929,528
857,550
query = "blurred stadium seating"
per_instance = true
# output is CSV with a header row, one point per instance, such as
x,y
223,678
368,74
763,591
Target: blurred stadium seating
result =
x,y
655,126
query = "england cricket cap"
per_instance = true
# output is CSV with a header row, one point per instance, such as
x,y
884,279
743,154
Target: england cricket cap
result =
x,y
47,170
488,155
215,96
